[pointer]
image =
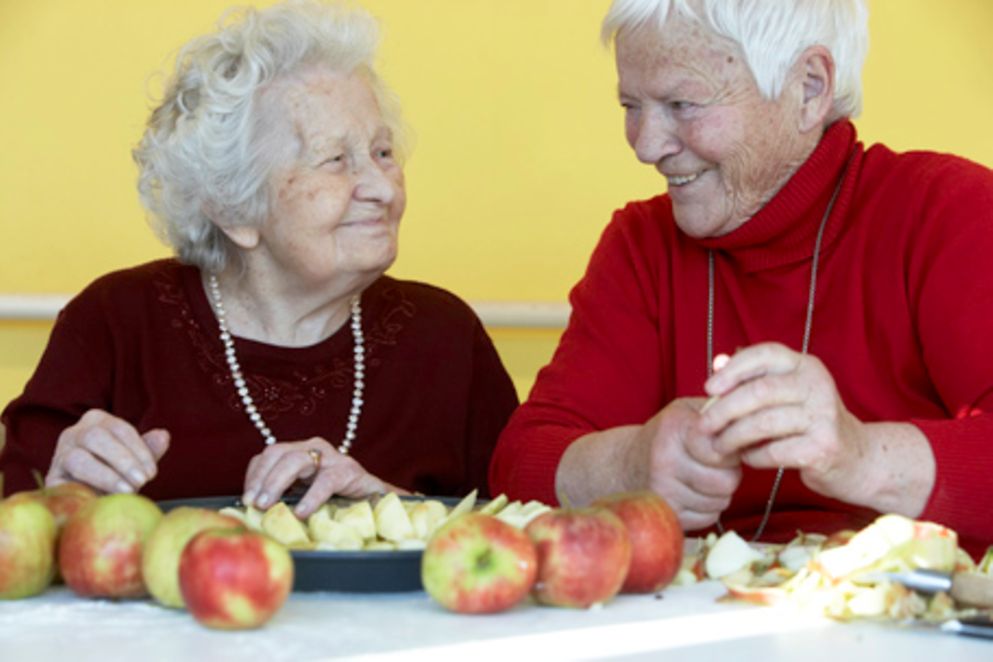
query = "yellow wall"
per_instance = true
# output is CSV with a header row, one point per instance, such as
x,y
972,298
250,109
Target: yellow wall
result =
x,y
519,155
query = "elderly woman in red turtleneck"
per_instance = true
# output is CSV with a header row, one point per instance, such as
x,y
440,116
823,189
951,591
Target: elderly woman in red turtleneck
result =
x,y
274,349
798,334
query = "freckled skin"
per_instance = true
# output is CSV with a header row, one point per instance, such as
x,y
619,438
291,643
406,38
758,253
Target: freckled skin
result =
x,y
337,191
693,107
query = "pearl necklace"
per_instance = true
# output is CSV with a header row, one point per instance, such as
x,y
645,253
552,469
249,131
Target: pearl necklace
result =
x,y
358,354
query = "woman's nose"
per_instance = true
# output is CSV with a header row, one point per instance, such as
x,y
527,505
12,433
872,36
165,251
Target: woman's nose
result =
x,y
654,138
373,183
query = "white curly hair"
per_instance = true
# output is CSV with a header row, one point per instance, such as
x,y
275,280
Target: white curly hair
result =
x,y
771,35
208,149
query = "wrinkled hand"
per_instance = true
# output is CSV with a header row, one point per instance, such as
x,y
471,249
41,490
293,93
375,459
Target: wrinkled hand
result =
x,y
777,407
274,470
686,467
107,453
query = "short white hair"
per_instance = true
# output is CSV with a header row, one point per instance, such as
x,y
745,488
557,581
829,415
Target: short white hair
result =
x,y
209,149
771,35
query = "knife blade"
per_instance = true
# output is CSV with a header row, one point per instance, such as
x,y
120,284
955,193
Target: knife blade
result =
x,y
978,626
967,588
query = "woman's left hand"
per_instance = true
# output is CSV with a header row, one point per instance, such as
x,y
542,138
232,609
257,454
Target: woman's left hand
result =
x,y
274,470
779,408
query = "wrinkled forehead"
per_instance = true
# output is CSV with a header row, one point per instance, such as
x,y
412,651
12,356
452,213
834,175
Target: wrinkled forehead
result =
x,y
680,45
320,106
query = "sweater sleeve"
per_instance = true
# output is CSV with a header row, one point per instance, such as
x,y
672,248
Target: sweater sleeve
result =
x,y
66,384
952,274
604,373
492,399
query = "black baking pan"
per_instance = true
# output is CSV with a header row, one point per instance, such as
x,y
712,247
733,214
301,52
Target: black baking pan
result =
x,y
379,571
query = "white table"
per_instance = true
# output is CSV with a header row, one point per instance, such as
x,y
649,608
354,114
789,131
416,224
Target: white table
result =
x,y
685,624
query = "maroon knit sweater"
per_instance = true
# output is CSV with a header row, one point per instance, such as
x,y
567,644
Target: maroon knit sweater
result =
x,y
143,344
903,320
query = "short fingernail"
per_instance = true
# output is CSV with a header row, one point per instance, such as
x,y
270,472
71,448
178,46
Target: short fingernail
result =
x,y
248,498
123,487
263,501
137,477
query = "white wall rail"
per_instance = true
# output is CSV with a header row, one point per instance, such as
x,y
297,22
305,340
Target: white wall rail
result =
x,y
495,314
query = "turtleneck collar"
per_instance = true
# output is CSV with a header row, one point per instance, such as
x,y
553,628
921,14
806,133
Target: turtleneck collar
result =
x,y
784,230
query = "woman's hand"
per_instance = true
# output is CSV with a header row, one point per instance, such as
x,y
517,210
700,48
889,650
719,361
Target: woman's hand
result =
x,y
274,470
107,453
777,407
686,467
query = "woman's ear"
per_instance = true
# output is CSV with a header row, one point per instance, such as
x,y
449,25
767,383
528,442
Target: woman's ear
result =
x,y
816,68
245,237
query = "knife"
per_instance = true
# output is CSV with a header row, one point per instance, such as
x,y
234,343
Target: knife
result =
x,y
967,588
977,626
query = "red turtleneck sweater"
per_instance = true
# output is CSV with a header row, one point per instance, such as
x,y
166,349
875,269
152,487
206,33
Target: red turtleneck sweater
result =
x,y
903,319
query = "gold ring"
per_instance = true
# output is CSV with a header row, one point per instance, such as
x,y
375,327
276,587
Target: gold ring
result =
x,y
315,457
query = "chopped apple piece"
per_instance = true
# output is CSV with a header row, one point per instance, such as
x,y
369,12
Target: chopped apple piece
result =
x,y
392,522
253,518
236,513
465,505
280,523
426,516
359,517
379,546
494,505
330,534
729,554
412,543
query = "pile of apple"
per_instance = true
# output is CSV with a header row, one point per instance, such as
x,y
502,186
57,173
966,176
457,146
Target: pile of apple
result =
x,y
565,557
122,546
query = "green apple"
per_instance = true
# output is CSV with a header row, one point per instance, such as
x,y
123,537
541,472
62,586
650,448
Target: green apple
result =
x,y
27,548
478,564
234,579
101,545
160,555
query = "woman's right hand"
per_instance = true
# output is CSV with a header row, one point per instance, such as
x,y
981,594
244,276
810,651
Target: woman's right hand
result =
x,y
107,453
684,467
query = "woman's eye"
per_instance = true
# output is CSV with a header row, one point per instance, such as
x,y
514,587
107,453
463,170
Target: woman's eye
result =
x,y
681,106
337,158
385,153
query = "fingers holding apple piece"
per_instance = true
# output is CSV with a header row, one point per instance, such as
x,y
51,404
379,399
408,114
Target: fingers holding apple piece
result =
x,y
478,564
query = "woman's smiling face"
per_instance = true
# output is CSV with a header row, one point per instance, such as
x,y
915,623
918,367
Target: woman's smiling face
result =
x,y
693,110
337,198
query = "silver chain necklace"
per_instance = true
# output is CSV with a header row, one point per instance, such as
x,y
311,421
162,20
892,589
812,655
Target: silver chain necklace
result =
x,y
358,353
808,323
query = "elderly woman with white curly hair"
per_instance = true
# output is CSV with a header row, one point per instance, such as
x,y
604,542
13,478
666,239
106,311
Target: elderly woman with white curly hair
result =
x,y
797,334
273,351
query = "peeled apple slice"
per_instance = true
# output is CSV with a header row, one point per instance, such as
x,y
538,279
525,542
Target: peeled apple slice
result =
x,y
729,554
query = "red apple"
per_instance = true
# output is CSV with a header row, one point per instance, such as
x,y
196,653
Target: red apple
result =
x,y
656,539
100,548
234,579
160,555
583,556
478,564
27,548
